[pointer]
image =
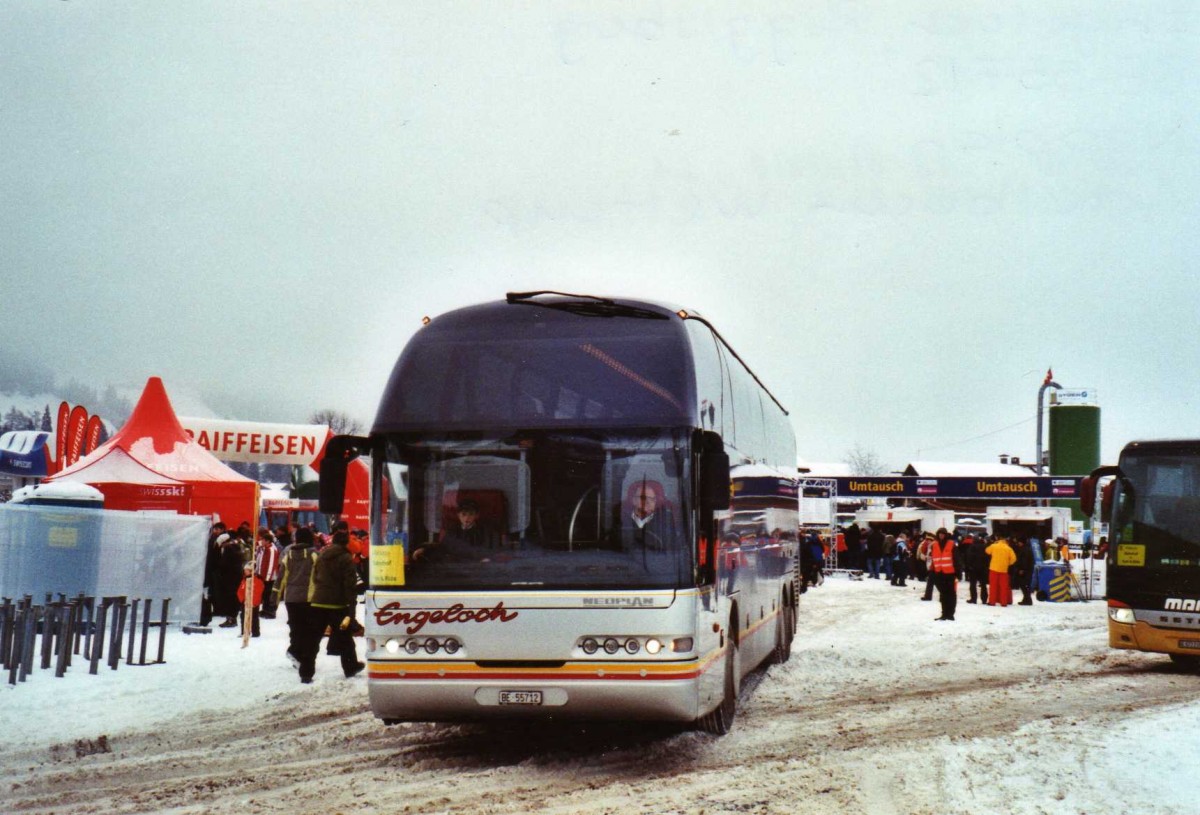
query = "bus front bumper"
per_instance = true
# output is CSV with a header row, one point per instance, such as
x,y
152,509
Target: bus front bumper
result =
x,y
1141,636
404,692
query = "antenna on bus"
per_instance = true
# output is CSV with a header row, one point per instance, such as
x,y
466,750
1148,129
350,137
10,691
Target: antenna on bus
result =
x,y
522,296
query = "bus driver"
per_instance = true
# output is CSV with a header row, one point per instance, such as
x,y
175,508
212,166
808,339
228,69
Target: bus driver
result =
x,y
467,541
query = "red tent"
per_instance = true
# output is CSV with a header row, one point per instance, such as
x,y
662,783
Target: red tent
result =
x,y
152,463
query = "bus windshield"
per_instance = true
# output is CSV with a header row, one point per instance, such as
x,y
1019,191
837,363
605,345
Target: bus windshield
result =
x,y
541,509
1157,506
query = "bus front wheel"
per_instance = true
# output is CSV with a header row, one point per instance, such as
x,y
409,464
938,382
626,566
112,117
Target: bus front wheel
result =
x,y
720,720
785,632
1188,662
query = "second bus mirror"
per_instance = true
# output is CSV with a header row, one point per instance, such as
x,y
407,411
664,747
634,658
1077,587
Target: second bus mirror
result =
x,y
1106,501
1089,491
1087,495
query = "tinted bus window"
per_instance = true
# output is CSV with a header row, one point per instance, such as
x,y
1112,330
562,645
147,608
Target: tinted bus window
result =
x,y
542,372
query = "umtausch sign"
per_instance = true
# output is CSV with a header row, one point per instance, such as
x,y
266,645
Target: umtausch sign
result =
x,y
263,442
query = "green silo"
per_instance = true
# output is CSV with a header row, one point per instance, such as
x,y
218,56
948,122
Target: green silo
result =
x,y
1074,444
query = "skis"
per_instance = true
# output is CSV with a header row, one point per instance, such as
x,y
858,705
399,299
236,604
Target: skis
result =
x,y
248,610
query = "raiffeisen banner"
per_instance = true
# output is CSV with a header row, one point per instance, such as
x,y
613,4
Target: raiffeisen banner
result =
x,y
263,442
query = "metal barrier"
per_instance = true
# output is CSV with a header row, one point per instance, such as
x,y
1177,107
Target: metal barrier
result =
x,y
79,626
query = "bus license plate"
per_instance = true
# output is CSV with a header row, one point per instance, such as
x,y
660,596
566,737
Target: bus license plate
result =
x,y
1189,643
520,697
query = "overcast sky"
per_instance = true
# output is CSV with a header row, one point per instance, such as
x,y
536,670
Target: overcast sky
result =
x,y
900,214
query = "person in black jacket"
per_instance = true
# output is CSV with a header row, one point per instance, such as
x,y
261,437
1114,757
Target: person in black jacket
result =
x,y
212,558
334,599
874,551
227,578
975,561
1022,570
853,536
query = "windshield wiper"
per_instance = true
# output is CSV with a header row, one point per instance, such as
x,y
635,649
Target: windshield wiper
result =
x,y
587,305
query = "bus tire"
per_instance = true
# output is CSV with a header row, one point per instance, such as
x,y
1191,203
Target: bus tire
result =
x,y
785,630
1187,662
720,720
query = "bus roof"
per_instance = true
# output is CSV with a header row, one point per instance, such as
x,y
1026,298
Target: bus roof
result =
x,y
1162,446
553,360
541,361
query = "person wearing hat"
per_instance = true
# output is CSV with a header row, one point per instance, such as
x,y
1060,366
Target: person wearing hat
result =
x,y
468,539
943,565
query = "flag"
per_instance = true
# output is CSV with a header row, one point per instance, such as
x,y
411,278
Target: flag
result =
x,y
1049,376
76,428
92,434
60,436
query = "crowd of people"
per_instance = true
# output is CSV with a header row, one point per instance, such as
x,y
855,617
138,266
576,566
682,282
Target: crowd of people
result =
x,y
992,566
316,576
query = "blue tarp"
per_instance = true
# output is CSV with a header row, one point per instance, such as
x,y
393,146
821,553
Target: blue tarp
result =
x,y
26,453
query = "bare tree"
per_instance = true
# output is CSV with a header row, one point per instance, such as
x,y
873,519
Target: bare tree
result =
x,y
863,461
340,423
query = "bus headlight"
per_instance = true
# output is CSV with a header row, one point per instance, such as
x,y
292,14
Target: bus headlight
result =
x,y
431,646
626,645
1121,614
392,646
412,646
451,646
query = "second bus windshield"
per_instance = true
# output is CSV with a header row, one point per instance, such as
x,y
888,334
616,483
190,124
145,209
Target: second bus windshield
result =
x,y
1162,512
584,509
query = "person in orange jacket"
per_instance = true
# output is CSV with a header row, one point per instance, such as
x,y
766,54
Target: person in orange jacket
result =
x,y
944,567
255,598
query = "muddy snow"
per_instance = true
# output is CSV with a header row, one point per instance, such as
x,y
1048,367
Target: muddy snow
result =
x,y
880,710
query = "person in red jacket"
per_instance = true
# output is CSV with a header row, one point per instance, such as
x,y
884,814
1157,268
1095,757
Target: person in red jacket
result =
x,y
944,568
266,566
255,599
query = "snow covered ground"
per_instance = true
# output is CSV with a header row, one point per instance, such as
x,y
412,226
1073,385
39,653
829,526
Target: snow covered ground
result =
x,y
880,710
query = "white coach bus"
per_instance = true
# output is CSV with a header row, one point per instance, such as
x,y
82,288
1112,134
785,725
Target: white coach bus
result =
x,y
553,532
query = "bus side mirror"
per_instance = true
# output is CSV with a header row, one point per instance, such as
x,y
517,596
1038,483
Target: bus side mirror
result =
x,y
339,452
714,473
1106,501
1087,492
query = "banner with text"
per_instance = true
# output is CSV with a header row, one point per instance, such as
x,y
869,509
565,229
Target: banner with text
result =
x,y
1046,486
265,442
